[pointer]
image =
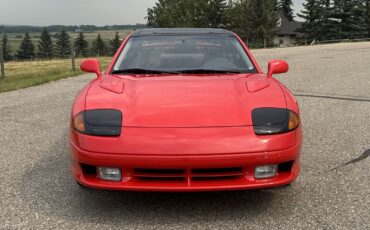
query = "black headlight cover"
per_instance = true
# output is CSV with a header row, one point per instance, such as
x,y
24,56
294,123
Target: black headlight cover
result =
x,y
103,122
268,121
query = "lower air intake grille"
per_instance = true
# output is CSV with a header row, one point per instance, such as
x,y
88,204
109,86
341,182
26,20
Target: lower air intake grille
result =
x,y
188,174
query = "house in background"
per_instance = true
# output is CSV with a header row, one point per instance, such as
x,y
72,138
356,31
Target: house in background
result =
x,y
286,31
79,30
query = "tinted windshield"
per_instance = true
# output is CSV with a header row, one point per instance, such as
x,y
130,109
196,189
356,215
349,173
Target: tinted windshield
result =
x,y
184,54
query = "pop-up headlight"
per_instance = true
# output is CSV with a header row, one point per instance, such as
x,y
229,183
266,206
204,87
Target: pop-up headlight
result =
x,y
267,121
102,122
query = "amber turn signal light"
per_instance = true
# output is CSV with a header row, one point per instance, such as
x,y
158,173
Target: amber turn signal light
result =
x,y
78,123
293,120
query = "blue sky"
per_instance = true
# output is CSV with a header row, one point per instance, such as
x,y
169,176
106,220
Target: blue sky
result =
x,y
77,12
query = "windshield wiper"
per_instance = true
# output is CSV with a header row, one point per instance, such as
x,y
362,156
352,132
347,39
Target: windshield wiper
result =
x,y
200,71
142,71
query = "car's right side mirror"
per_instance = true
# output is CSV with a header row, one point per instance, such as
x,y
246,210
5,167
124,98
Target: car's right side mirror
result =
x,y
91,66
277,67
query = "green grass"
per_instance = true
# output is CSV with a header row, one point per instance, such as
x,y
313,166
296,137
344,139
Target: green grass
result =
x,y
20,75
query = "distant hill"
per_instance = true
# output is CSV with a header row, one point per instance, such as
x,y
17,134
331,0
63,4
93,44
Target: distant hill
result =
x,y
56,28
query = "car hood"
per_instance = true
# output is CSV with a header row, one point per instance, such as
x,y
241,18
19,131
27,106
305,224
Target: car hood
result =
x,y
184,101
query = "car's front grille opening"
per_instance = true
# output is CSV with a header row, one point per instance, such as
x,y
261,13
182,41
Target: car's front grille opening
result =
x,y
89,169
161,179
286,167
187,175
217,171
159,171
200,179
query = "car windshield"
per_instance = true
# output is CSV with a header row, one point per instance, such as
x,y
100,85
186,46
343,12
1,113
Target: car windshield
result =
x,y
183,54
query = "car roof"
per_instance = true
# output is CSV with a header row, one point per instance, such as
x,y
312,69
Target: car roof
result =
x,y
181,31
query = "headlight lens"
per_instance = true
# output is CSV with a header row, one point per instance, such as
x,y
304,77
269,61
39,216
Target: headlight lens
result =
x,y
268,121
104,122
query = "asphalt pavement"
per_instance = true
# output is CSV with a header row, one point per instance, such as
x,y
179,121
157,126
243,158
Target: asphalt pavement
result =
x,y
332,84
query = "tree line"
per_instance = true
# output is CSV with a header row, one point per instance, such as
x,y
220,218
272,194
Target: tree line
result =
x,y
256,20
63,46
336,19
56,28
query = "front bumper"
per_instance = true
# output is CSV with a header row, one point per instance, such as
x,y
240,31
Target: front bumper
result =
x,y
215,172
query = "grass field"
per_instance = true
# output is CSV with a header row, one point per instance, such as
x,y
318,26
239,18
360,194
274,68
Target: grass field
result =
x,y
15,39
30,73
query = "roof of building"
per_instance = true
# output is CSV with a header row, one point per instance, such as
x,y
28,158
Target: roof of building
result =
x,y
182,31
288,27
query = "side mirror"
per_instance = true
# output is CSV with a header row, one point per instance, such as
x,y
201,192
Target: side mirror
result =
x,y
277,67
91,66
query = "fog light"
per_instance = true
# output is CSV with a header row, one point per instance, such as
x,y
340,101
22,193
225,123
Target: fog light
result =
x,y
111,174
265,171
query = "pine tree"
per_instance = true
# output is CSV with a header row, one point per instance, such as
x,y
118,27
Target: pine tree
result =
x,y
359,19
187,13
215,13
263,20
81,46
63,45
329,24
7,52
334,19
191,13
286,7
98,46
45,45
352,17
237,18
26,49
173,13
114,44
313,23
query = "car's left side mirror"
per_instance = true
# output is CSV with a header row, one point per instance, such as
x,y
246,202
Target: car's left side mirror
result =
x,y
91,66
277,67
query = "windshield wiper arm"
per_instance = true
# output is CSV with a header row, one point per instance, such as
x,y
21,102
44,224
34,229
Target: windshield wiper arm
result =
x,y
200,71
142,71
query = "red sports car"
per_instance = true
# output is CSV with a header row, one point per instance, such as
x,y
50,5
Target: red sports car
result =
x,y
184,110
